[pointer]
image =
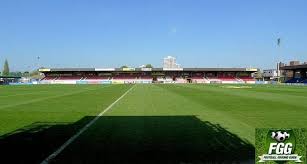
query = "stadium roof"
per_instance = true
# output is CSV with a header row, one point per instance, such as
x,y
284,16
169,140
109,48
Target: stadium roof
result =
x,y
146,69
10,77
294,67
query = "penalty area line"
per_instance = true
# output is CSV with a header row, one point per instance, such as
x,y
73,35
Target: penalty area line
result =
x,y
74,137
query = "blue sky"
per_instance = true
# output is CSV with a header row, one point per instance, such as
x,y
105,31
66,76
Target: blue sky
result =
x,y
111,33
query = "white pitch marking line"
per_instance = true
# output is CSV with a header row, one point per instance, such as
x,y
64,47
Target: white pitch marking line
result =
x,y
70,140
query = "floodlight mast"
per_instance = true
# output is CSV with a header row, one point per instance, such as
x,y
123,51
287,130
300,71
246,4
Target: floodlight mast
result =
x,y
38,62
278,62
278,76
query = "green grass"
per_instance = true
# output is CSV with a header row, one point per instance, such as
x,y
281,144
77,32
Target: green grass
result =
x,y
23,105
189,121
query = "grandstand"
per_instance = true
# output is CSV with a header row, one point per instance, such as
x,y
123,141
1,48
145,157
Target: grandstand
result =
x,y
147,75
295,73
9,79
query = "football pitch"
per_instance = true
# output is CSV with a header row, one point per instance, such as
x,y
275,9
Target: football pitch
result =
x,y
156,123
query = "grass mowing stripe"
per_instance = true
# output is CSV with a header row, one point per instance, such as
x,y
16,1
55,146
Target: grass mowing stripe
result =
x,y
22,94
248,107
206,112
70,140
63,109
44,98
152,123
256,94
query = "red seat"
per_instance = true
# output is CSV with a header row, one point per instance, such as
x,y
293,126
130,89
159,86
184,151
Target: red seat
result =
x,y
69,78
247,78
48,78
96,77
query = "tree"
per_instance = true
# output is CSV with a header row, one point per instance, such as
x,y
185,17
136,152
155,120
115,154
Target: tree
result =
x,y
34,73
148,66
6,69
26,74
19,74
258,75
124,66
